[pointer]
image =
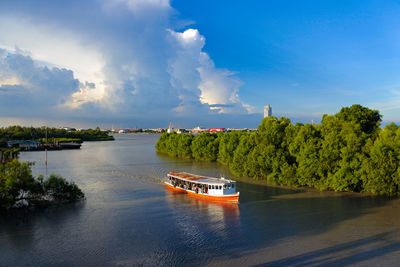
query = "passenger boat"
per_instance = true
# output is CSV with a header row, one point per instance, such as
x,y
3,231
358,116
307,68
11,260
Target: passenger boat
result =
x,y
203,187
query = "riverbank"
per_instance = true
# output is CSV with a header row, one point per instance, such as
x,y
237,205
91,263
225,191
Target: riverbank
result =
x,y
52,134
347,152
43,138
304,189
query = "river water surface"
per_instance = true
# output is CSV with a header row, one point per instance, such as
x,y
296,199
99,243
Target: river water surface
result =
x,y
130,218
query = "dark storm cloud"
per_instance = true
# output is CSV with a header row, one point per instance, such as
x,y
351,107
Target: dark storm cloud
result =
x,y
38,89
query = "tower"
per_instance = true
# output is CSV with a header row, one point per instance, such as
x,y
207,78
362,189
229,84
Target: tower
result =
x,y
170,128
267,111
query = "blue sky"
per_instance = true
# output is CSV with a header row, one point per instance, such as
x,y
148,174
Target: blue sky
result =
x,y
211,63
307,57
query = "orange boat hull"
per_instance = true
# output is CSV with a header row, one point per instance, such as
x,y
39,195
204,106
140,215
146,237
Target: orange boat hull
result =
x,y
231,198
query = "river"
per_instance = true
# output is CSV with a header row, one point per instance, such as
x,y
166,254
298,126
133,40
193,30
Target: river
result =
x,y
130,218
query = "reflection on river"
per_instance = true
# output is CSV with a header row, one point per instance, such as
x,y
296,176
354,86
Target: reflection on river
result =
x,y
129,218
224,217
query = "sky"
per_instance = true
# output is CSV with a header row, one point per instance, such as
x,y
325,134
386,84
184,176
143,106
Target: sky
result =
x,y
146,63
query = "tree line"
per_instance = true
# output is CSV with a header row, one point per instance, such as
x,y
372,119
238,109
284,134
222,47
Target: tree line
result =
x,y
347,151
38,133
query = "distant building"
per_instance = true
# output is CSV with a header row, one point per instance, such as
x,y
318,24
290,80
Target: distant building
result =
x,y
170,128
198,129
23,144
157,130
216,130
267,111
69,129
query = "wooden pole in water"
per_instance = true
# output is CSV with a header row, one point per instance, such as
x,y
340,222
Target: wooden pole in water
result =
x,y
45,148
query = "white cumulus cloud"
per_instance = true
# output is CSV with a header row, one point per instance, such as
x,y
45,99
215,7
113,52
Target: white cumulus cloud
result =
x,y
52,46
194,71
119,57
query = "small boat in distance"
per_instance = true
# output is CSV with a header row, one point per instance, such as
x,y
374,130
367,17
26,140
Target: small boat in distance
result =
x,y
203,187
69,145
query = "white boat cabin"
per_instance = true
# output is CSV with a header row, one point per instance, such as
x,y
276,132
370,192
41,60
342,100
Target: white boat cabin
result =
x,y
202,184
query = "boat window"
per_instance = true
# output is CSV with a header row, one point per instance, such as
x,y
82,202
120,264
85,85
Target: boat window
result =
x,y
220,187
209,186
224,186
213,187
233,185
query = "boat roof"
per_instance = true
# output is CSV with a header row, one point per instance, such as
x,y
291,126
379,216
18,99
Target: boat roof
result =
x,y
199,178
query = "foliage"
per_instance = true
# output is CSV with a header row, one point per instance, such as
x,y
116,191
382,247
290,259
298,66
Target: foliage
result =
x,y
368,119
227,146
17,182
176,145
8,154
239,164
60,188
14,176
205,147
380,172
306,147
32,133
348,151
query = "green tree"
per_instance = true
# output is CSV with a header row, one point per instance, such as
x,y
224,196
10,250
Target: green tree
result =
x,y
305,148
381,171
61,189
227,145
184,145
368,119
239,165
205,147
161,145
15,176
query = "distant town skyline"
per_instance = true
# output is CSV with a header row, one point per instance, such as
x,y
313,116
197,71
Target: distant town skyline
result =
x,y
211,63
